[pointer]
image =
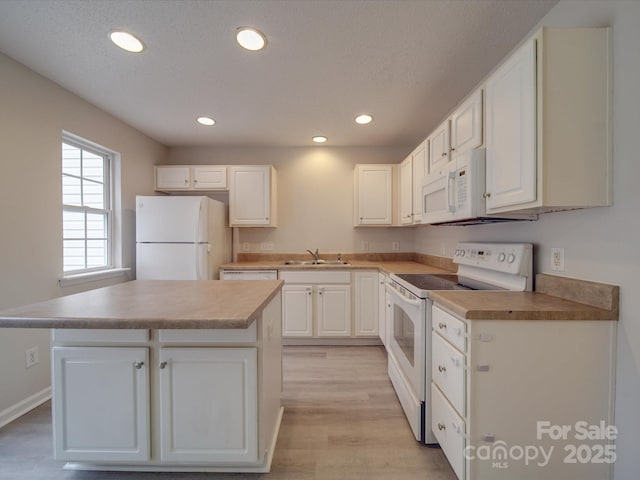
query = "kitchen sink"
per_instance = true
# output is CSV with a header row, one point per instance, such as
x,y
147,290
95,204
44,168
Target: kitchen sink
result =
x,y
314,262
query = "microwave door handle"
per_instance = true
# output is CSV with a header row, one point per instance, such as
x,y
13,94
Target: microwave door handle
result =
x,y
451,178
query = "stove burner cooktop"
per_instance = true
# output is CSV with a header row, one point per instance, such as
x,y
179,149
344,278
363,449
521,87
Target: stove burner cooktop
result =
x,y
444,281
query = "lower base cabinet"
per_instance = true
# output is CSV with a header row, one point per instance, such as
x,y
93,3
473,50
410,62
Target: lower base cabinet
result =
x,y
199,399
101,404
208,404
523,399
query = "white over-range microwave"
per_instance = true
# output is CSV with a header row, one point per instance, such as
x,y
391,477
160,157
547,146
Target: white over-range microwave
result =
x,y
456,195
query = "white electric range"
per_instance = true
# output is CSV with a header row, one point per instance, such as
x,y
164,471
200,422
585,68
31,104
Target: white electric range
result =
x,y
481,266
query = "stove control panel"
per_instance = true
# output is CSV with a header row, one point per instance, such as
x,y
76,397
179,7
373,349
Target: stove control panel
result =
x,y
513,258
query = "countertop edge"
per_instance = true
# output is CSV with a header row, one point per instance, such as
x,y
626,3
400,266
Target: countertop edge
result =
x,y
7,320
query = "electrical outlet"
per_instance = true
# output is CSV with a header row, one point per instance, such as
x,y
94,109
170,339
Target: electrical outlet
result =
x,y
557,259
443,248
266,246
395,246
32,356
245,246
364,246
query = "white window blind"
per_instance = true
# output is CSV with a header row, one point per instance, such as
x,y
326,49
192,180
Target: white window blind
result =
x,y
86,208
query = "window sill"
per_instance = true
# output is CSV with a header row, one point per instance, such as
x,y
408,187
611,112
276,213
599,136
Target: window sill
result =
x,y
82,278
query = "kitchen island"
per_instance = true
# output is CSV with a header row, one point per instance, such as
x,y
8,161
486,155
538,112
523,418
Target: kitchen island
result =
x,y
164,375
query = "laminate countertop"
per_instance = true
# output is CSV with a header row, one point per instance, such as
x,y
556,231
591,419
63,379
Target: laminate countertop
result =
x,y
151,304
555,298
387,267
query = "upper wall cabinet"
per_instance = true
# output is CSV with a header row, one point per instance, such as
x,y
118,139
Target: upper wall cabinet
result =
x,y
466,125
439,148
412,171
373,195
460,132
253,196
184,178
406,191
419,158
548,130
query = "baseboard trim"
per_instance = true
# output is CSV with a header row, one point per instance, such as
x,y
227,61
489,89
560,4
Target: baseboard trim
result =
x,y
8,415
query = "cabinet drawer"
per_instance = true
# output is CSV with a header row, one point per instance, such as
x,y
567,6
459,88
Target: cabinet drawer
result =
x,y
87,336
449,429
209,336
448,371
310,276
450,327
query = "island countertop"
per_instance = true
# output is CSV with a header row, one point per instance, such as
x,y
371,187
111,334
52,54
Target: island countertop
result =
x,y
151,304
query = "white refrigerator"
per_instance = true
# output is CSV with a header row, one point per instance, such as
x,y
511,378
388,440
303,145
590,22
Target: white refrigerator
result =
x,y
181,238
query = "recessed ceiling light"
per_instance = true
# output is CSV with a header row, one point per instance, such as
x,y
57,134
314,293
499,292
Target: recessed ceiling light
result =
x,y
127,41
363,119
206,121
319,139
251,38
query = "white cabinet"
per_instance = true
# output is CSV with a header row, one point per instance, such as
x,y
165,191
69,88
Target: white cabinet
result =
x,y
366,303
253,196
510,157
333,310
180,178
406,191
316,303
173,178
548,131
439,156
373,195
466,125
208,404
493,381
209,177
297,311
461,132
420,157
208,399
101,403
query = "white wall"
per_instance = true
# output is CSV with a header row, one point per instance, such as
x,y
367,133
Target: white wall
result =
x,y
35,111
315,196
601,244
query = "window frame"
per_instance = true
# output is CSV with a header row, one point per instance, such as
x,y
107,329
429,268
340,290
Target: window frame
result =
x,y
108,192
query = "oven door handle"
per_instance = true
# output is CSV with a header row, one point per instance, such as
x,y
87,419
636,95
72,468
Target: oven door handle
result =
x,y
394,291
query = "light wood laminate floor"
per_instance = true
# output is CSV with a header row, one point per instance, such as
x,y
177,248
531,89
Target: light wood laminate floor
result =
x,y
342,421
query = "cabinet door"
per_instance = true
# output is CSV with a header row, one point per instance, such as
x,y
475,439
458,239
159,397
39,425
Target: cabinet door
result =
x,y
250,195
375,195
366,308
511,150
210,178
439,149
297,311
101,404
334,310
208,405
406,191
420,166
173,178
466,125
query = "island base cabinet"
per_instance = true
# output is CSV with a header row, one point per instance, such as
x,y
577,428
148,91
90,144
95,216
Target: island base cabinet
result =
x,y
101,404
220,422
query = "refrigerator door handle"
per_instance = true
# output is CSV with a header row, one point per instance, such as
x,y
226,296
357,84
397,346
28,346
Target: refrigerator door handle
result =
x,y
196,239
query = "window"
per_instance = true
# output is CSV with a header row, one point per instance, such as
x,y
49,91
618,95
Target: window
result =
x,y
86,207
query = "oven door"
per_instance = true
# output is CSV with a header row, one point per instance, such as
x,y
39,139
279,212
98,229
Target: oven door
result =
x,y
406,338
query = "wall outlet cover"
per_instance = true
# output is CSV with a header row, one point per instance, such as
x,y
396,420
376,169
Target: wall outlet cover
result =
x,y
557,259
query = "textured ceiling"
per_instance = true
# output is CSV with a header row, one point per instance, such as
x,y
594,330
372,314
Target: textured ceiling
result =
x,y
406,62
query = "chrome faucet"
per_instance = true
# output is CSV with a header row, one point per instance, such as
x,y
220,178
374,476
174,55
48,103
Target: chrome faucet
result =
x,y
315,255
